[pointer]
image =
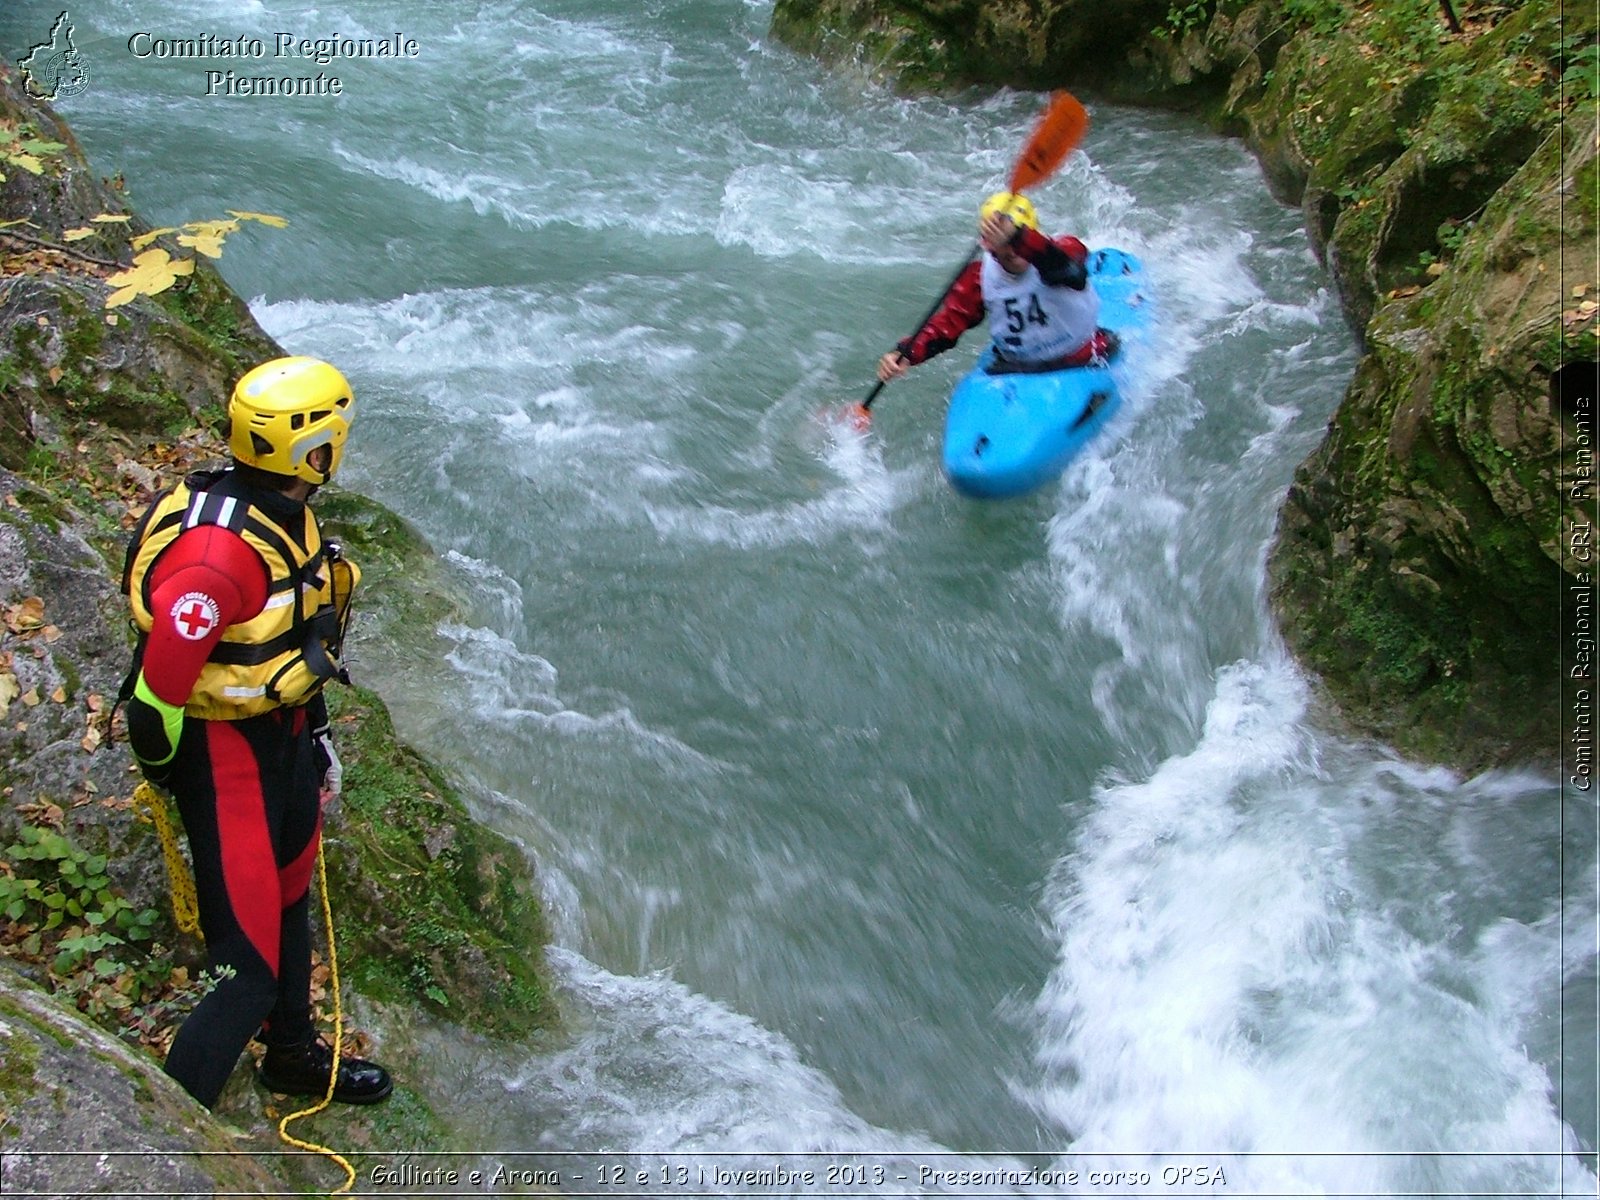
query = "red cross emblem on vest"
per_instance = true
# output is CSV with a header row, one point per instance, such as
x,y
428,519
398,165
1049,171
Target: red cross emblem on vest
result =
x,y
194,616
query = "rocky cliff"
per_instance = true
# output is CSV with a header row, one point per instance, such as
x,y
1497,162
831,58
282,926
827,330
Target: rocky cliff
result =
x,y
437,918
1431,565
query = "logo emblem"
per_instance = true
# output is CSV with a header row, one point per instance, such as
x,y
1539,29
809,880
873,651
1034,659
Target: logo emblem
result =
x,y
194,616
54,70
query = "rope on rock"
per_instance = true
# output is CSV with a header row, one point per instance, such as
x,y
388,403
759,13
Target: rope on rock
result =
x,y
150,805
338,1041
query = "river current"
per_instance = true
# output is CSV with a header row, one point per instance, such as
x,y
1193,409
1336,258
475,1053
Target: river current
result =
x,y
870,818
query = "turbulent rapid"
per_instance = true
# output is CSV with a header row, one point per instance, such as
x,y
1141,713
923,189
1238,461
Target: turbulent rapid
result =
x,y
871,818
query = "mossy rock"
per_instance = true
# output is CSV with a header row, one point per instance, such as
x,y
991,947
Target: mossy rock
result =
x,y
1423,557
431,907
925,45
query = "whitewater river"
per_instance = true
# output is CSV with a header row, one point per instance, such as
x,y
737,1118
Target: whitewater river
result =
x,y
871,818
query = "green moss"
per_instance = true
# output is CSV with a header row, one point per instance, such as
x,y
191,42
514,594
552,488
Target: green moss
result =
x,y
1586,191
19,1060
434,908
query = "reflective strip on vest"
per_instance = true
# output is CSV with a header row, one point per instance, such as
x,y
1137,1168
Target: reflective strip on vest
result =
x,y
232,690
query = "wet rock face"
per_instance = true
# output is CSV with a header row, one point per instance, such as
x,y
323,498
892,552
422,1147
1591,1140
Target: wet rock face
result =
x,y
1429,553
68,1091
928,43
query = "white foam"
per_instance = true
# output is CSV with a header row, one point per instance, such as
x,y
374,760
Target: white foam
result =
x,y
1226,987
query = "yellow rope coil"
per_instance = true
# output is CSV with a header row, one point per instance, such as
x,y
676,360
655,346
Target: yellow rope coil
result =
x,y
151,805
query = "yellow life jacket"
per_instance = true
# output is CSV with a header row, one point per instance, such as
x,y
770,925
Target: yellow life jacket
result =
x,y
285,653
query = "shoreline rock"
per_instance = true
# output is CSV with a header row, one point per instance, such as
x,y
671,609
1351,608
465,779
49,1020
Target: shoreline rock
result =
x,y
437,916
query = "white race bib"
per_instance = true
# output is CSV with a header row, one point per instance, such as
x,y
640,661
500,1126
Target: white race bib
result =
x,y
1031,322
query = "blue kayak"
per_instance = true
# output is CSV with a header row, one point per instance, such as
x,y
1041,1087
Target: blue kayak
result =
x,y
1008,434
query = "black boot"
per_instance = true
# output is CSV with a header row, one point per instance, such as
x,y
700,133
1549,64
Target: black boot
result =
x,y
302,1070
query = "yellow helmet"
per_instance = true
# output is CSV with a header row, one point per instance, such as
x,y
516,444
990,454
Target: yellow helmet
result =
x,y
286,408
1011,204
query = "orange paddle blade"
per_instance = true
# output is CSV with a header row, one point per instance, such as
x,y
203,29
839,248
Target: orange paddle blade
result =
x,y
1061,127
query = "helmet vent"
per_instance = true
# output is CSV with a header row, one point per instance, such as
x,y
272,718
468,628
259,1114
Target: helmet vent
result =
x,y
297,421
322,414
262,446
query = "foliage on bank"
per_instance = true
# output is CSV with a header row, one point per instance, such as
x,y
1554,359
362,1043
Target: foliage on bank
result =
x,y
1443,157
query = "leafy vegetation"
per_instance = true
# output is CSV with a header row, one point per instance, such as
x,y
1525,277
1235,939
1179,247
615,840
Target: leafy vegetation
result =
x,y
21,147
62,921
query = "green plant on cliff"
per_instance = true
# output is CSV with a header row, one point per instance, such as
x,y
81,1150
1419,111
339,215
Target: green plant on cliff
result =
x,y
21,147
63,921
1580,78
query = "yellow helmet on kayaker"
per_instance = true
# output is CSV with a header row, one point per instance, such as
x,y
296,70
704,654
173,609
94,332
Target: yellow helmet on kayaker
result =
x,y
284,409
1011,204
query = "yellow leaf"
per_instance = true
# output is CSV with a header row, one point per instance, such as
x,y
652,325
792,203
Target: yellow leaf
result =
x,y
10,689
31,697
78,234
27,162
91,740
152,272
59,696
55,374
264,218
208,244
111,218
211,229
144,239
111,318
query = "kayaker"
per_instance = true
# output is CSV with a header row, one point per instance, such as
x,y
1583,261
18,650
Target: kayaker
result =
x,y
1033,289
238,602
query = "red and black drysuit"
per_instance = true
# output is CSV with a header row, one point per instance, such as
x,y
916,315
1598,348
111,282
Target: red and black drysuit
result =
x,y
1060,261
247,789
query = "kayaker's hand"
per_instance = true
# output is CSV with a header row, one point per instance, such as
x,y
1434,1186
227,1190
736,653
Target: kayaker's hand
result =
x,y
891,366
996,231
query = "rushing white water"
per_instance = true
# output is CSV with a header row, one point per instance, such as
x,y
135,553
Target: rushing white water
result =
x,y
872,819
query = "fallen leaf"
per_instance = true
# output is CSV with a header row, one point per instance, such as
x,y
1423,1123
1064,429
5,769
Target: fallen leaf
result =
x,y
110,218
55,374
59,696
111,318
42,812
152,272
31,697
10,689
25,616
78,234
144,239
91,740
208,244
264,218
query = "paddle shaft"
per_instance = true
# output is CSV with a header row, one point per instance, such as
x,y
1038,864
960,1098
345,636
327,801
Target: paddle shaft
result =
x,y
926,317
